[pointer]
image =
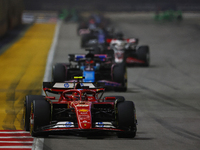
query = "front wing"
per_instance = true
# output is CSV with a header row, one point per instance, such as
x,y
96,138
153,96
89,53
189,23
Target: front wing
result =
x,y
65,127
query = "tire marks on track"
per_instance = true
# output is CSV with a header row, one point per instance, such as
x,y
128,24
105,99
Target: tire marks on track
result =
x,y
168,100
177,130
11,113
165,84
171,102
22,67
187,74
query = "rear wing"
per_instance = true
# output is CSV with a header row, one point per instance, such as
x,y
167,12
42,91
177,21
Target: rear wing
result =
x,y
78,57
68,85
130,40
59,87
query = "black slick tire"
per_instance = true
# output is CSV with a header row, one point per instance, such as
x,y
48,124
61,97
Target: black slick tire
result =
x,y
27,109
58,73
126,119
143,54
41,113
120,76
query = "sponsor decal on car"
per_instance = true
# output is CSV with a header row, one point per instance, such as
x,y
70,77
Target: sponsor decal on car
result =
x,y
63,85
83,110
69,124
99,124
64,124
66,85
104,125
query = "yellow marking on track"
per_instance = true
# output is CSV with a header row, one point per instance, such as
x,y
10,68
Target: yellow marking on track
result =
x,y
22,69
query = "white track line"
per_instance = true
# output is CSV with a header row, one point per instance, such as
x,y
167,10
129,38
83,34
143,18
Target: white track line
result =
x,y
38,142
18,137
47,77
16,141
15,147
15,132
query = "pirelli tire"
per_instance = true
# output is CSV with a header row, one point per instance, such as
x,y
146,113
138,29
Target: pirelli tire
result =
x,y
143,53
126,119
27,109
40,117
58,73
120,76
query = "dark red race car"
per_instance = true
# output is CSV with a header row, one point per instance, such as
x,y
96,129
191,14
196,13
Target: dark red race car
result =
x,y
79,108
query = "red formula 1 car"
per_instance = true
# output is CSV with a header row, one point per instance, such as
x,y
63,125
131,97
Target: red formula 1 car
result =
x,y
79,108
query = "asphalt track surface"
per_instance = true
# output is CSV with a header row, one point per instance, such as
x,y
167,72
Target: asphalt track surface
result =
x,y
166,94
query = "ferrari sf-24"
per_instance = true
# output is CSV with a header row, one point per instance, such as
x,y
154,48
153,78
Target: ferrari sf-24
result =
x,y
78,108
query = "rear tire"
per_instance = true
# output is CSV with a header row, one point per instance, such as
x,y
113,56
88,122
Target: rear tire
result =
x,y
120,76
144,55
58,73
126,119
41,114
27,109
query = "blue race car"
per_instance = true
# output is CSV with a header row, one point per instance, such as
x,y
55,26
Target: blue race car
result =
x,y
94,68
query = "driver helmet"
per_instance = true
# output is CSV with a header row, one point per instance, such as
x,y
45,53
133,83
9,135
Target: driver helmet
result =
x,y
76,96
84,96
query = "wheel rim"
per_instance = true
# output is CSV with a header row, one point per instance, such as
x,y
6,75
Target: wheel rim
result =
x,y
31,120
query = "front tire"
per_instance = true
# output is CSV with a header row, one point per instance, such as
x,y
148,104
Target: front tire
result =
x,y
126,119
40,116
27,109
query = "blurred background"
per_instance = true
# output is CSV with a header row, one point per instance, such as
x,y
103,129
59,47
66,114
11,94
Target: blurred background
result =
x,y
14,12
166,94
111,5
